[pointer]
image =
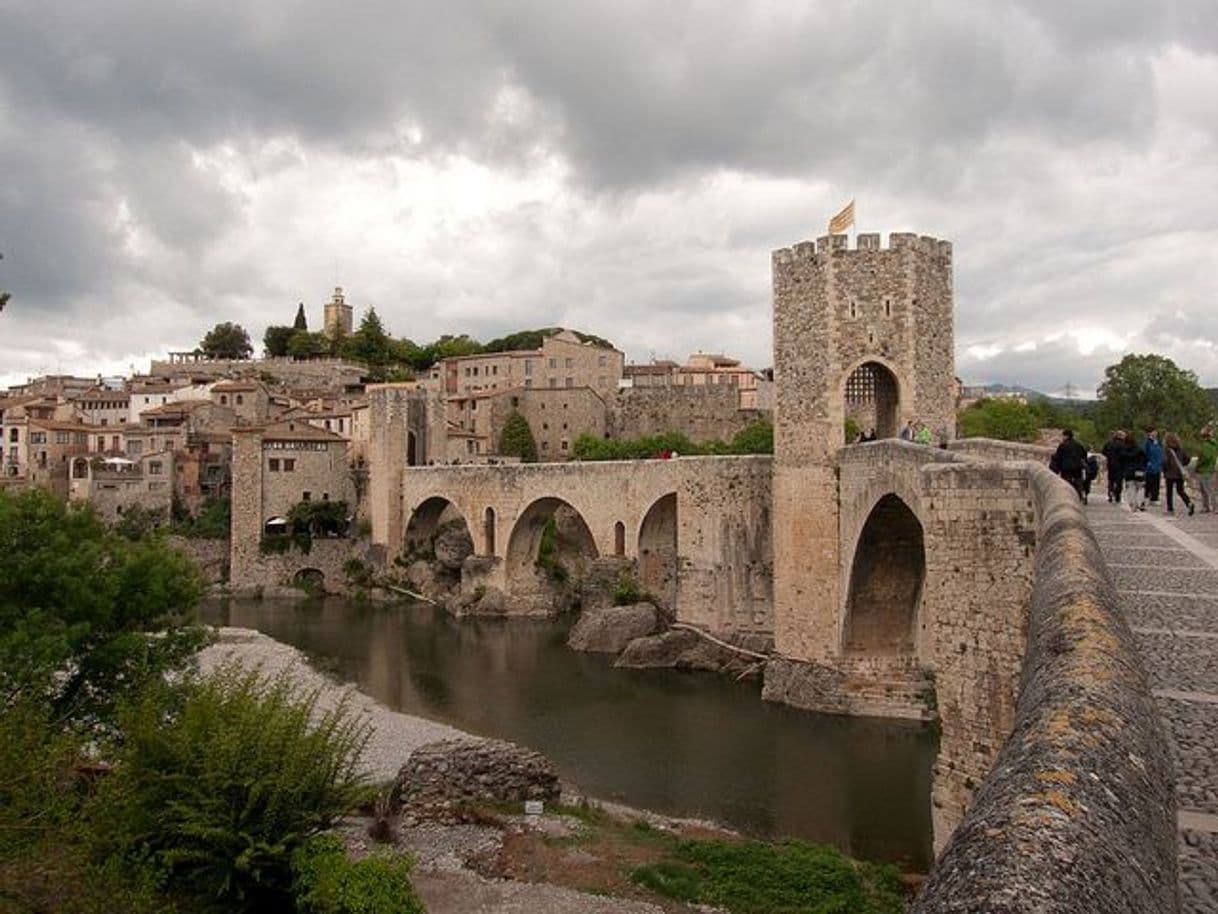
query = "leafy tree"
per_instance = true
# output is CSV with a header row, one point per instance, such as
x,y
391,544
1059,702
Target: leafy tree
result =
x,y
301,322
77,604
227,341
1149,391
276,339
516,439
370,344
1006,420
306,345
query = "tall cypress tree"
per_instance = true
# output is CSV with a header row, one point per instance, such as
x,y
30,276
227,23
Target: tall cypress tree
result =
x,y
301,323
517,440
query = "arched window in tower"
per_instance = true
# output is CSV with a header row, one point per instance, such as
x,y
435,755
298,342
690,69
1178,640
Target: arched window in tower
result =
x,y
872,399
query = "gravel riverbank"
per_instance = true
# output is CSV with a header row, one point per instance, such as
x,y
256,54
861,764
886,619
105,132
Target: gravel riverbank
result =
x,y
394,735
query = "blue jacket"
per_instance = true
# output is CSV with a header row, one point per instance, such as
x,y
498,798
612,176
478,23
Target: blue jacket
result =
x,y
1154,456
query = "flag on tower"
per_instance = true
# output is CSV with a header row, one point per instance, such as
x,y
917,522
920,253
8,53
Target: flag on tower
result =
x,y
842,220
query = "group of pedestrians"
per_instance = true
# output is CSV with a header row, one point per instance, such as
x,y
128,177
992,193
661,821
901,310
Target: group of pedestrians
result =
x,y
1137,471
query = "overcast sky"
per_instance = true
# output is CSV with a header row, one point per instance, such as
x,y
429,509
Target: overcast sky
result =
x,y
619,167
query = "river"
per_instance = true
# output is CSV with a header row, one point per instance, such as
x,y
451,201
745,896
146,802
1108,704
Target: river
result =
x,y
687,744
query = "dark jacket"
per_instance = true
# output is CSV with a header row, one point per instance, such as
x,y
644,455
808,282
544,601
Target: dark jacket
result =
x,y
1069,459
1133,460
1174,462
1112,455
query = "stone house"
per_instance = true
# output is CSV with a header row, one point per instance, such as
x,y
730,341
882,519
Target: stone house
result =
x,y
52,444
277,466
562,361
247,398
114,485
102,406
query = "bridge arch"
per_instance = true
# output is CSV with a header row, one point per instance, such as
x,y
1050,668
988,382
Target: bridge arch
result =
x,y
884,595
658,550
871,393
428,518
570,539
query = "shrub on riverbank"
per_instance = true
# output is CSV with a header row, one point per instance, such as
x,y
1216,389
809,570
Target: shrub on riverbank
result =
x,y
791,877
220,782
326,881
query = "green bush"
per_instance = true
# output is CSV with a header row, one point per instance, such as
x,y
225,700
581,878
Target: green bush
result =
x,y
628,591
792,877
1006,420
211,523
517,440
327,882
547,552
220,781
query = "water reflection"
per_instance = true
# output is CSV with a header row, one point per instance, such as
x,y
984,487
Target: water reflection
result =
x,y
686,744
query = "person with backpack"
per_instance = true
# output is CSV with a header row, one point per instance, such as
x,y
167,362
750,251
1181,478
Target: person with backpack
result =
x,y
1174,462
1070,462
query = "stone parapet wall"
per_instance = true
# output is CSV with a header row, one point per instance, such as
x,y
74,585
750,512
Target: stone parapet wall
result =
x,y
1078,813
993,449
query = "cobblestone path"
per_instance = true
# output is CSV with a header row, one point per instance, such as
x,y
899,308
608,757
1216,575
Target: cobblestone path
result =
x,y
1166,570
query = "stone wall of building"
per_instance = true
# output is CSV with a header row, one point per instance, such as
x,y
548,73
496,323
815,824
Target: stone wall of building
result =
x,y
556,417
709,412
1078,813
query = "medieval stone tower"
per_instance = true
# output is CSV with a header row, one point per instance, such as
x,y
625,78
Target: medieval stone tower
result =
x,y
864,333
337,315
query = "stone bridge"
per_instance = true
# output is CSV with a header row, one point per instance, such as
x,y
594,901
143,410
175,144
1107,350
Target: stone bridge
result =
x,y
696,528
959,583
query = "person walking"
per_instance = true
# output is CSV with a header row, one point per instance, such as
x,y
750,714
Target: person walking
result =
x,y
908,432
1070,462
1207,463
1113,448
1133,468
1154,465
1091,474
1174,462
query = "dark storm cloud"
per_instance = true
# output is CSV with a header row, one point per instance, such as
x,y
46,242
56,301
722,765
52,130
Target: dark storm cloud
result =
x,y
136,137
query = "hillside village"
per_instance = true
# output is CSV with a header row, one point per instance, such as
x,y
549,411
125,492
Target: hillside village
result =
x,y
162,441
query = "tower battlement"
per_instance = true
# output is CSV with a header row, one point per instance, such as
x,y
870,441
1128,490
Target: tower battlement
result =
x,y
864,242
